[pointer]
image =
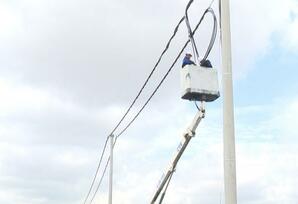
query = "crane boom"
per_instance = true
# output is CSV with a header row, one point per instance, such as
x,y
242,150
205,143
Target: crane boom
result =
x,y
189,133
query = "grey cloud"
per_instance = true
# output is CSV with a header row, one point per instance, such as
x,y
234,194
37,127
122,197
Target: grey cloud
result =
x,y
93,50
54,126
42,173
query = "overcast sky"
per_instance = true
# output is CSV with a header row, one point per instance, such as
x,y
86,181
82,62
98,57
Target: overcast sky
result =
x,y
69,70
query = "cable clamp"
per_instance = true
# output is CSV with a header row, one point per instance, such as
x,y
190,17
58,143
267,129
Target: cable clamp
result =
x,y
189,133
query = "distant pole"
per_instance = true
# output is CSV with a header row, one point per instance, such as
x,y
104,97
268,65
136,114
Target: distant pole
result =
x,y
111,170
228,107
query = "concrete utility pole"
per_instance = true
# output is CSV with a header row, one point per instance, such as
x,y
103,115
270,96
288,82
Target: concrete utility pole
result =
x,y
111,170
228,107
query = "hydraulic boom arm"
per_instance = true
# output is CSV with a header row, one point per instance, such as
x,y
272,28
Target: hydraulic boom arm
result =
x,y
190,132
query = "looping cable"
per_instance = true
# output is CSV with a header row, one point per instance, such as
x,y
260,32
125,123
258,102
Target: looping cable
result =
x,y
191,33
214,33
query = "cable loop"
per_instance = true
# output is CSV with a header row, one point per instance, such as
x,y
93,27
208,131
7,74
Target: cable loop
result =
x,y
191,33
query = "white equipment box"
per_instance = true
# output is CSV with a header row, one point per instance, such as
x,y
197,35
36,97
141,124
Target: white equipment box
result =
x,y
199,83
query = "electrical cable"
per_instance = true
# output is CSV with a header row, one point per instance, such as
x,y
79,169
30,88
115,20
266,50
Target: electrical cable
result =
x,y
197,105
158,86
153,93
134,101
167,73
98,166
135,117
190,33
213,36
211,4
100,181
151,73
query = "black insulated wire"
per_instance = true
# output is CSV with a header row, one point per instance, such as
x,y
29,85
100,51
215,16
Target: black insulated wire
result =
x,y
214,33
153,93
151,73
98,166
100,181
134,101
190,33
197,106
164,77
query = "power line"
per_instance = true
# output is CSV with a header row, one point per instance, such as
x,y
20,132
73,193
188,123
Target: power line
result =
x,y
135,117
153,93
211,4
100,160
190,33
167,73
213,36
192,40
151,73
158,86
100,181
133,102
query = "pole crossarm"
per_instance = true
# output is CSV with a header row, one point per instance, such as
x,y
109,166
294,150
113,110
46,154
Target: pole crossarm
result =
x,y
189,133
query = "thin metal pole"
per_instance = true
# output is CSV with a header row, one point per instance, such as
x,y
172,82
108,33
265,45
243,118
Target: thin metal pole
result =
x,y
111,170
228,107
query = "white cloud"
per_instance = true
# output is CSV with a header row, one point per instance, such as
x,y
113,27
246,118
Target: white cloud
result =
x,y
290,38
254,25
40,174
10,22
289,29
